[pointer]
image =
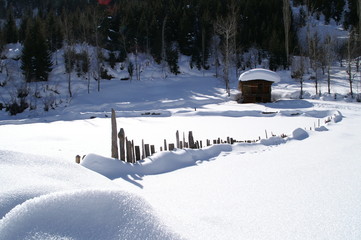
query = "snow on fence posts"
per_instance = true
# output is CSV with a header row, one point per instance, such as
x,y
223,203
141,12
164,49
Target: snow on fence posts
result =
x,y
114,136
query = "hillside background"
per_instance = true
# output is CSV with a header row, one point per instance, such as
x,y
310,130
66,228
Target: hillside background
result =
x,y
92,40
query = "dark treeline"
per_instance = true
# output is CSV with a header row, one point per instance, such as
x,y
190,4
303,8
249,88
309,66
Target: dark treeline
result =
x,y
162,28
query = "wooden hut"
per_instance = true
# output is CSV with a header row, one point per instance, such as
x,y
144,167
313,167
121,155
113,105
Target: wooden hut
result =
x,y
255,85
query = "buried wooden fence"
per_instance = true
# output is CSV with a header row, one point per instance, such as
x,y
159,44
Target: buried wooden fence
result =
x,y
129,152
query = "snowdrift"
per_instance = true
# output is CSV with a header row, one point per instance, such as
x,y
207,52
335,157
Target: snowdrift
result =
x,y
84,214
159,163
45,198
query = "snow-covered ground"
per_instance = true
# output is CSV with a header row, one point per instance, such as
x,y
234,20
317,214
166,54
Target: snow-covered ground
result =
x,y
306,185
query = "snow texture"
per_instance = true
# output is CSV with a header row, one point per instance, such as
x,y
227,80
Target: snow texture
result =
x,y
84,214
44,198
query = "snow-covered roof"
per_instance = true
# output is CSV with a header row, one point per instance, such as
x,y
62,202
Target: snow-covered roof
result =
x,y
259,73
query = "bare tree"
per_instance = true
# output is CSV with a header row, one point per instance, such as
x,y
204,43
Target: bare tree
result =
x,y
69,58
315,57
164,52
226,28
215,52
137,65
287,26
96,22
340,50
69,53
352,53
85,26
328,56
299,67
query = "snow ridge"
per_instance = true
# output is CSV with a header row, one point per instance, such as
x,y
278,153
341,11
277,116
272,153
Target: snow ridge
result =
x,y
85,214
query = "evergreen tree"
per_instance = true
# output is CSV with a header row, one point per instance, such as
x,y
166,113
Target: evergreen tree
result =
x,y
35,59
2,9
54,32
2,42
11,31
25,21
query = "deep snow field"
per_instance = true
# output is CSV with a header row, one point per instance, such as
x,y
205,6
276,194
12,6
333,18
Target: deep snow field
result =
x,y
304,186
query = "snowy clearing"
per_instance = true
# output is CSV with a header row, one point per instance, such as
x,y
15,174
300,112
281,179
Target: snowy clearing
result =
x,y
304,185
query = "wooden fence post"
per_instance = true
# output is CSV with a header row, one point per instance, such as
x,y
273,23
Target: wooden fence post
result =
x,y
137,153
114,136
171,146
152,149
147,153
165,145
143,149
77,159
177,139
133,151
128,149
184,141
121,136
191,140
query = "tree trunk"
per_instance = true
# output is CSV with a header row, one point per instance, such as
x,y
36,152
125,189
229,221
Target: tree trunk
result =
x,y
69,85
328,79
227,29
350,52
164,56
287,25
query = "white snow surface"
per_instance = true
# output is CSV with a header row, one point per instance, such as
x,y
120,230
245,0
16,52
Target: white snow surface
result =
x,y
300,179
259,73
